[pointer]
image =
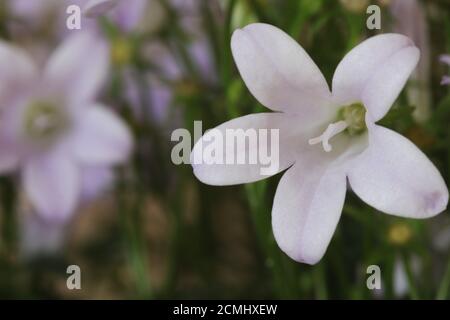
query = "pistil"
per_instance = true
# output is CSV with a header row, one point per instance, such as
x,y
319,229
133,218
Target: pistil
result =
x,y
332,130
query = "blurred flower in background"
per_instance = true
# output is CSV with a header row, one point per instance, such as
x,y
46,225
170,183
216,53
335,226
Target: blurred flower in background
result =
x,y
51,125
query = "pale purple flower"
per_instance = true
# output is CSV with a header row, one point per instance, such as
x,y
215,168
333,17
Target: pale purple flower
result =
x,y
401,284
40,236
445,58
48,236
384,169
95,181
52,128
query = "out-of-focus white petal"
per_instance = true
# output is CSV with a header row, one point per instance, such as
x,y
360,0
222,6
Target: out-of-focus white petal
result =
x,y
131,14
95,8
101,138
388,81
401,284
307,207
445,80
94,181
395,177
9,158
52,183
40,236
278,72
78,68
17,71
441,238
445,58
375,72
290,144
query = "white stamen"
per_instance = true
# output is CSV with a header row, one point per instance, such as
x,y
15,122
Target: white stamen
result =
x,y
332,130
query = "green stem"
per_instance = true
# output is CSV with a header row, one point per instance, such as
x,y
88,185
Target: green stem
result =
x,y
283,284
410,277
175,243
320,282
129,215
443,290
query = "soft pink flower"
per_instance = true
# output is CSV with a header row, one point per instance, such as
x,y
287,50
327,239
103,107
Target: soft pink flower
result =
x,y
51,126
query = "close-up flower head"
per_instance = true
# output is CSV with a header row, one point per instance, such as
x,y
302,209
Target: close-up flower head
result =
x,y
327,138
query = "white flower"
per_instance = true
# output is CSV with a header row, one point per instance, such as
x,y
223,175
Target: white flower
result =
x,y
383,168
50,125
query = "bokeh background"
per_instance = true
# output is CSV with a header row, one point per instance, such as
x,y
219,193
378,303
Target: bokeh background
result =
x,y
152,230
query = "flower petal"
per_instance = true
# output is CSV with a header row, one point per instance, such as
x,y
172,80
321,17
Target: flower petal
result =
x,y
388,81
101,138
445,80
307,207
52,183
290,143
375,72
9,157
95,8
17,71
278,72
95,181
445,58
130,14
79,67
395,177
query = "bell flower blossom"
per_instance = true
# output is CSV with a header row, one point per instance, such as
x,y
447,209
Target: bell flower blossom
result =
x,y
51,126
327,137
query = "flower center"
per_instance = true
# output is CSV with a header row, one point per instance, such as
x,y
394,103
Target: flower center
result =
x,y
121,51
350,119
44,121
